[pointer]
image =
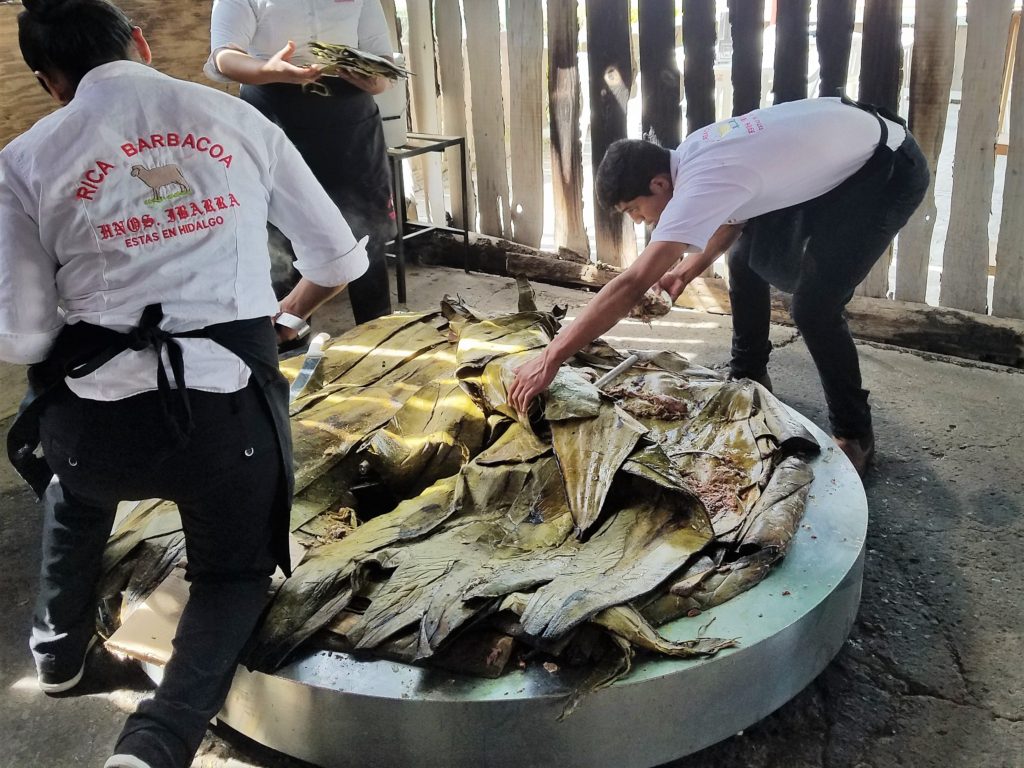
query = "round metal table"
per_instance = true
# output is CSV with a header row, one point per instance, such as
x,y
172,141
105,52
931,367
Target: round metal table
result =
x,y
335,711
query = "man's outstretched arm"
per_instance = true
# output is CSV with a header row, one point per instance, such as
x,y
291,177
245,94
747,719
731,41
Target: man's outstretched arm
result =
x,y
611,304
675,280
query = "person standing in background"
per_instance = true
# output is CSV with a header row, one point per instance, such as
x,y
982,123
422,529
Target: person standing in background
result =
x,y
261,44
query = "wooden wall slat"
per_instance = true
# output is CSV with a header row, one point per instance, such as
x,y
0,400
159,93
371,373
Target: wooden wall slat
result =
x,y
1008,291
834,37
564,92
394,31
451,68
611,77
699,62
881,57
792,49
483,43
746,18
526,115
931,75
966,253
881,78
423,88
661,114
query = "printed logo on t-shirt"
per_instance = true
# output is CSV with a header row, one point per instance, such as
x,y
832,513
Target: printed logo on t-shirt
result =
x,y
162,178
734,127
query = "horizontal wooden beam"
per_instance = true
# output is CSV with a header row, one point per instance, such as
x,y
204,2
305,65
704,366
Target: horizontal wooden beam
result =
x,y
937,330
902,323
498,256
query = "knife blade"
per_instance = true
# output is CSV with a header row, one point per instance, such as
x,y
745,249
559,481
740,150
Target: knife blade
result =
x,y
314,356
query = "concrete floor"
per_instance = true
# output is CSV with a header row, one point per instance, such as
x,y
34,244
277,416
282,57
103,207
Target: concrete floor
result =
x,y
930,677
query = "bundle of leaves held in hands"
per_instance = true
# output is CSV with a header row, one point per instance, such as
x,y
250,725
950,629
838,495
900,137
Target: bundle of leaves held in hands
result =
x,y
345,57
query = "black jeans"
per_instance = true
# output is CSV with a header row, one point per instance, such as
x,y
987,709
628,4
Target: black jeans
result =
x,y
224,480
843,242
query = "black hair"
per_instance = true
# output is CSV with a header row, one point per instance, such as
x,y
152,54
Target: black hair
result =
x,y
71,37
628,167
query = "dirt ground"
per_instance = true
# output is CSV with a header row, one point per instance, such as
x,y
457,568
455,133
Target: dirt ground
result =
x,y
931,675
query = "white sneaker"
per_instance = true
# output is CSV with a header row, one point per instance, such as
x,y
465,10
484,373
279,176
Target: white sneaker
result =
x,y
125,761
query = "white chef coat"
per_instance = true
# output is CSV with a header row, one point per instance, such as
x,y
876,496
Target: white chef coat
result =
x,y
261,28
147,189
768,159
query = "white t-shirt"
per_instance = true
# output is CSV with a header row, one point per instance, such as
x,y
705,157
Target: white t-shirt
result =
x,y
741,167
148,189
261,28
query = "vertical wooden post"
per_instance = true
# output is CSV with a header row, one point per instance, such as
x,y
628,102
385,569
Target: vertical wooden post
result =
x,y
792,49
880,84
483,42
526,114
931,76
699,62
661,114
452,73
564,105
882,54
394,31
424,100
746,17
611,77
1008,291
966,254
834,36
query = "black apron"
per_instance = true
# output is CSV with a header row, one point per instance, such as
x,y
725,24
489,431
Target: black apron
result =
x,y
778,239
81,348
341,138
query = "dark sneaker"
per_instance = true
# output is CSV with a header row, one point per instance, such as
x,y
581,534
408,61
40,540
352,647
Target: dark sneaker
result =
x,y
860,451
765,380
57,676
125,761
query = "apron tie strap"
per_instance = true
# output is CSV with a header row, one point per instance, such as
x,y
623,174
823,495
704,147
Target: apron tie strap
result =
x,y
149,335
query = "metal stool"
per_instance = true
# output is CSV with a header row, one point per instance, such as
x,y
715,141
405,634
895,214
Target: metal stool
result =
x,y
420,144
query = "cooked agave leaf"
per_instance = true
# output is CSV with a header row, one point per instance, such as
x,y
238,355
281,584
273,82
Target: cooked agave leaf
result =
x,y
326,432
775,517
590,452
322,584
629,624
432,435
491,532
519,506
149,519
323,435
336,56
348,349
490,339
635,551
516,444
571,396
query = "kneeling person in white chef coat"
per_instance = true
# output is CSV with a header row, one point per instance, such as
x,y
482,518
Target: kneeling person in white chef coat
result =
x,y
136,285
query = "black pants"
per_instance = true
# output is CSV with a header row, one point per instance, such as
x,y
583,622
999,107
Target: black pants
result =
x,y
224,482
845,240
341,138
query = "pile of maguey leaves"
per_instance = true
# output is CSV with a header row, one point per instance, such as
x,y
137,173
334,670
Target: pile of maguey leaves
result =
x,y
442,529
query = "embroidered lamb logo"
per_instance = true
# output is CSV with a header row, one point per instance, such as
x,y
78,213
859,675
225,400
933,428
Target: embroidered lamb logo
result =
x,y
162,177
